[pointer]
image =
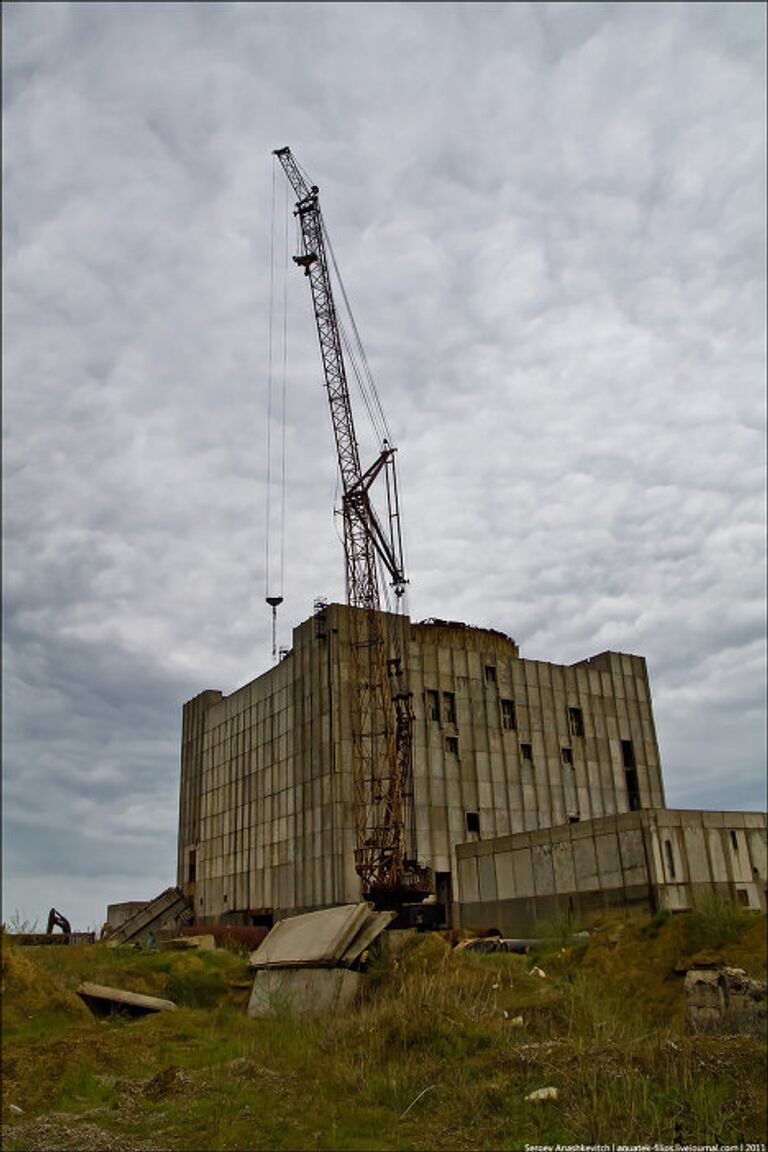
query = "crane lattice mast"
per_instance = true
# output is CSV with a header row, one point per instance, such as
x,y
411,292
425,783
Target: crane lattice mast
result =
x,y
380,704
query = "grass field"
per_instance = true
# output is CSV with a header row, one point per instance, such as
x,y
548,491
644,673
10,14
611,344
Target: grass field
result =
x,y
433,1057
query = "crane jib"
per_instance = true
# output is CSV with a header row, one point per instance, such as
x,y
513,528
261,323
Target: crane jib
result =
x,y
381,705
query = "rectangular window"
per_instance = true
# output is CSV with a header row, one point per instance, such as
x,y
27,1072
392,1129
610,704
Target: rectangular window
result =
x,y
574,819
628,754
742,896
576,721
633,789
473,821
567,754
526,751
670,859
192,866
432,699
508,715
449,707
734,841
490,673
452,744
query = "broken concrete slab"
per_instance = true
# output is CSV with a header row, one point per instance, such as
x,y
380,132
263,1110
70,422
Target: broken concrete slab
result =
x,y
725,1000
369,932
302,991
181,943
167,912
100,998
306,964
314,939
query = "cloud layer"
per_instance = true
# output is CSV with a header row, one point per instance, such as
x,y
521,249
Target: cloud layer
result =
x,y
550,220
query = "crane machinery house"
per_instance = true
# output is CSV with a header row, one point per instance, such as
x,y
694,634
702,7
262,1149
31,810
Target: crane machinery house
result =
x,y
428,767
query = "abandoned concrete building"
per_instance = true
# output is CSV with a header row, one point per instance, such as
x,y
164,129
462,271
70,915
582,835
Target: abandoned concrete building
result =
x,y
502,746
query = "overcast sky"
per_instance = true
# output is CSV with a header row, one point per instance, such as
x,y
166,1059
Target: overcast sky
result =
x,y
550,220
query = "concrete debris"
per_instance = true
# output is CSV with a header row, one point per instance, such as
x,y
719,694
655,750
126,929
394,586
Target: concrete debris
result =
x,y
516,1022
15,1109
540,1094
309,964
204,943
167,912
302,991
536,971
725,1000
101,999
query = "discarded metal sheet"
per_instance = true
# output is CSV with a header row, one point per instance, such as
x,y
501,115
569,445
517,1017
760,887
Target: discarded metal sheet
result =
x,y
170,909
102,998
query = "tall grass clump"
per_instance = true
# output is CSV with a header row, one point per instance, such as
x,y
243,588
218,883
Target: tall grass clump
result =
x,y
715,922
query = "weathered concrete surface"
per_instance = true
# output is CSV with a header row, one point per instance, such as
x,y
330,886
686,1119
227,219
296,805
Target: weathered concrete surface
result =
x,y
643,860
167,911
102,997
370,931
305,964
117,914
206,943
315,939
500,743
302,991
725,1000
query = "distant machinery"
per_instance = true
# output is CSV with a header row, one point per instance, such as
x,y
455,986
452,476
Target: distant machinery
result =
x,y
56,920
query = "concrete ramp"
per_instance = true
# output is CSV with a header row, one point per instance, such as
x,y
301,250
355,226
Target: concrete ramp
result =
x,y
167,912
310,964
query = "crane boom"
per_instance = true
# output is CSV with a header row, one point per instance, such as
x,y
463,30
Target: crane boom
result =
x,y
381,712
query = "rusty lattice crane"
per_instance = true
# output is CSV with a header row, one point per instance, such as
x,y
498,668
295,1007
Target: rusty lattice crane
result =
x,y
381,713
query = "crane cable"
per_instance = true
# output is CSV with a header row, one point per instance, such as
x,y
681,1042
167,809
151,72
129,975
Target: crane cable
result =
x,y
272,596
362,371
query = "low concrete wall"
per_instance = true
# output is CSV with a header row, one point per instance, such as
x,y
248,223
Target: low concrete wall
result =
x,y
640,860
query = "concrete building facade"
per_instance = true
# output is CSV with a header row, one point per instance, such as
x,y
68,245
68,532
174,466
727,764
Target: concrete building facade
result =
x,y
502,745
647,859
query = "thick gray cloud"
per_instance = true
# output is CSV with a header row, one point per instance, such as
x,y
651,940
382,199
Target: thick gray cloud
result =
x,y
550,220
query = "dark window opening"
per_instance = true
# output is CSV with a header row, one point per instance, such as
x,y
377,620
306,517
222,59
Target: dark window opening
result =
x,y
490,673
508,715
449,707
734,841
192,866
444,893
225,899
742,897
473,821
452,744
628,754
433,704
633,789
526,751
576,721
574,819
670,859
567,754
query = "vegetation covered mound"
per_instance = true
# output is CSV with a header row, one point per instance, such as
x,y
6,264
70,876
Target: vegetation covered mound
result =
x,y
30,993
443,1051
